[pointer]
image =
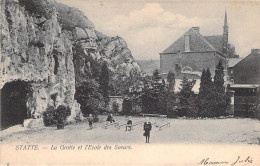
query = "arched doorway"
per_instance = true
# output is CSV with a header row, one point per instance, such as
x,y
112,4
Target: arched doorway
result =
x,y
14,96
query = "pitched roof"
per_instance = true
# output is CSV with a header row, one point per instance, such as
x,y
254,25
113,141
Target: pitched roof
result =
x,y
233,61
198,43
216,41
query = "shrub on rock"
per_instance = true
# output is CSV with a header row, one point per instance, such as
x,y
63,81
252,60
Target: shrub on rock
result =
x,y
57,116
48,116
61,114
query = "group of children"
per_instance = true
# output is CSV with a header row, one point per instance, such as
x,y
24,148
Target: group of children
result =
x,y
129,124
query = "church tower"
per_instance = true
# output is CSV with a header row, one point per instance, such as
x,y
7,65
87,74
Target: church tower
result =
x,y
225,35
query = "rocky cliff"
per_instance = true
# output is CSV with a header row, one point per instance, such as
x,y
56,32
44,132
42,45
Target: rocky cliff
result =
x,y
54,47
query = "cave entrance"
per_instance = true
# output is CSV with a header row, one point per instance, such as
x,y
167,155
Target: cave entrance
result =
x,y
14,96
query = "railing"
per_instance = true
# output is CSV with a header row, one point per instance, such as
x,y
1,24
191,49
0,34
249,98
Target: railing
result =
x,y
108,124
155,115
167,124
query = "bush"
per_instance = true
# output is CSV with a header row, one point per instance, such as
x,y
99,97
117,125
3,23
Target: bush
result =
x,y
127,106
61,113
48,116
172,113
115,107
54,116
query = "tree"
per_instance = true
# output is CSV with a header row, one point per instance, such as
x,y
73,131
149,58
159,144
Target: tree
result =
x,y
171,80
186,97
156,75
115,107
231,51
171,104
127,106
219,93
89,97
219,78
104,83
204,98
162,99
170,98
213,100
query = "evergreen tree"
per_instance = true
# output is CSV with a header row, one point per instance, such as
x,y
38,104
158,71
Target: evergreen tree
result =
x,y
212,99
171,80
219,94
219,78
186,105
171,104
203,84
162,100
163,83
170,100
104,83
205,97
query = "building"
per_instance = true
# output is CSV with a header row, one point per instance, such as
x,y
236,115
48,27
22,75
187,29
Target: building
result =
x,y
246,85
193,52
231,63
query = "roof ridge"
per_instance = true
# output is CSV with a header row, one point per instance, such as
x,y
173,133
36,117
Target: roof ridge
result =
x,y
206,41
212,35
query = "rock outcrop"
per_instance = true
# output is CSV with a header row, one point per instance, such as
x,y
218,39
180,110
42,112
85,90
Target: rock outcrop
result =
x,y
54,47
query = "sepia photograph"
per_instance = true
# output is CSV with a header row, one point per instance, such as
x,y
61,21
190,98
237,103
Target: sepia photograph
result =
x,y
133,82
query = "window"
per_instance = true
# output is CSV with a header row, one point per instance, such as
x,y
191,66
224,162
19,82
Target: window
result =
x,y
177,68
187,68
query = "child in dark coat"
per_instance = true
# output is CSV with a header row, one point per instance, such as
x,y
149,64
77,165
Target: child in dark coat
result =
x,y
90,121
147,129
129,124
110,118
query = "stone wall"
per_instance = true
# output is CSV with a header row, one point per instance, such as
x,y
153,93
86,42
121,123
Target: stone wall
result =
x,y
196,61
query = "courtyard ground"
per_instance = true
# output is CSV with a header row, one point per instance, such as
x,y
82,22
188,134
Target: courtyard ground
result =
x,y
209,131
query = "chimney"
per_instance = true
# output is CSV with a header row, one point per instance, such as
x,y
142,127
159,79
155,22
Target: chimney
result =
x,y
187,43
255,51
197,29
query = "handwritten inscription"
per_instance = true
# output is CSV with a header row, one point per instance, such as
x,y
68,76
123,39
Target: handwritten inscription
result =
x,y
248,160
239,161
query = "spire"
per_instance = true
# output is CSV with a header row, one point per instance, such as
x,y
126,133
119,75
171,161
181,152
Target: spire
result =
x,y
225,22
225,34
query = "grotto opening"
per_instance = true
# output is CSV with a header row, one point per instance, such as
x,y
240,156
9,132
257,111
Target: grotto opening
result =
x,y
14,96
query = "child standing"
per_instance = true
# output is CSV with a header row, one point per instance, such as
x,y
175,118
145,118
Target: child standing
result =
x,y
147,129
129,124
90,121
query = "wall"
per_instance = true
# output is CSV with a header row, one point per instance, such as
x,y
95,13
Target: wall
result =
x,y
247,71
197,61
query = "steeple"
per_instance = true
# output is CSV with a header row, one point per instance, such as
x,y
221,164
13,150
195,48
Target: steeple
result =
x,y
225,34
225,22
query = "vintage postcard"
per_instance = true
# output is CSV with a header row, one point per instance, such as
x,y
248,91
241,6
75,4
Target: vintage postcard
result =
x,y
133,82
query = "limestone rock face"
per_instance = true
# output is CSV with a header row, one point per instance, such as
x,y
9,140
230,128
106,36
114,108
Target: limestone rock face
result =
x,y
34,49
54,48
93,48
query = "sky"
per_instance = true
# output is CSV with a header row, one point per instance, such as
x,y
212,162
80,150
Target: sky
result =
x,y
150,26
